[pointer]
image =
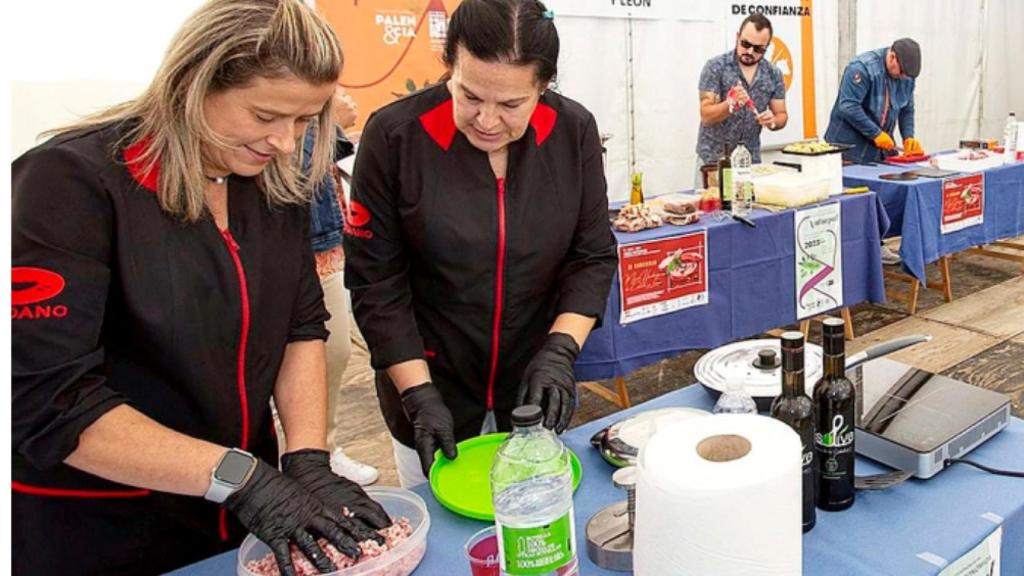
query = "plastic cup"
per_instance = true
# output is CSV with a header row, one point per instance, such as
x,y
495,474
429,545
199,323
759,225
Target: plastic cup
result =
x,y
709,204
482,551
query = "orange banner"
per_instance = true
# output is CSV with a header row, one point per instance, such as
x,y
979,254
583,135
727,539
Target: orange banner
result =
x,y
392,47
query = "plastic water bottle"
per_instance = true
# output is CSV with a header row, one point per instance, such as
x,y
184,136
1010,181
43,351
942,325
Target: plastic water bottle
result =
x,y
742,181
735,399
1010,138
531,484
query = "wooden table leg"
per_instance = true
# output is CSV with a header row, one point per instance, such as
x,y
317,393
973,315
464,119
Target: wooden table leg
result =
x,y
619,398
947,285
847,323
915,288
1012,255
620,384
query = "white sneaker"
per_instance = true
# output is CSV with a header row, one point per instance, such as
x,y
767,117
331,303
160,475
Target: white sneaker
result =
x,y
890,258
354,470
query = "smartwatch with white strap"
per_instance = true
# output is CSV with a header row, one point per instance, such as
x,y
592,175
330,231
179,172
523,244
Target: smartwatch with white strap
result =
x,y
231,473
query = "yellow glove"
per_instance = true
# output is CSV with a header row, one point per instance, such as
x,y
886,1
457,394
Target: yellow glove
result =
x,y
884,141
912,146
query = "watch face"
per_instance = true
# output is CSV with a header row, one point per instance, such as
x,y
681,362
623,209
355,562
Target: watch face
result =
x,y
233,468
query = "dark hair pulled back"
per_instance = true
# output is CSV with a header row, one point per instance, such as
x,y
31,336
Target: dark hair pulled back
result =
x,y
518,32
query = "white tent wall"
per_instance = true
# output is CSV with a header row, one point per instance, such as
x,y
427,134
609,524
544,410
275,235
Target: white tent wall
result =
x,y
946,98
1003,90
967,83
592,71
78,57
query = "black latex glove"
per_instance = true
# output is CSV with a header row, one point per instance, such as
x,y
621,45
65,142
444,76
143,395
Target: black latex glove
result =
x,y
279,511
549,380
312,469
432,422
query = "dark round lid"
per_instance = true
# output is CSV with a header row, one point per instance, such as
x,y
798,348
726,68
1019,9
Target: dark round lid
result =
x,y
767,358
527,415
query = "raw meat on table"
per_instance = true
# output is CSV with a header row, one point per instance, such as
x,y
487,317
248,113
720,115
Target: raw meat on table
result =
x,y
393,536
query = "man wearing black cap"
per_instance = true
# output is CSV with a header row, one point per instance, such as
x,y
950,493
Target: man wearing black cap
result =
x,y
877,90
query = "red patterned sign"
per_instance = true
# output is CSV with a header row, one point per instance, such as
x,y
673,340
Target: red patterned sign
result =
x,y
963,202
661,276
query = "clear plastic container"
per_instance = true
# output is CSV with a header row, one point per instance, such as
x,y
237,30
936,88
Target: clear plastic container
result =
x,y
399,561
791,189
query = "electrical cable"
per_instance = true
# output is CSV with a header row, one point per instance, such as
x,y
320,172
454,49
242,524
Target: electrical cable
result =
x,y
1012,473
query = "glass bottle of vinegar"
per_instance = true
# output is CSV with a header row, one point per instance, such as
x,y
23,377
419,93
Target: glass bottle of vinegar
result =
x,y
795,409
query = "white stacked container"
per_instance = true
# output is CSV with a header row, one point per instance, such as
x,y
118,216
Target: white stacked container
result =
x,y
826,166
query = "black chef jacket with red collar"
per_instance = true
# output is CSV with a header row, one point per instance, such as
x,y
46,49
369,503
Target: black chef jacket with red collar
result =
x,y
115,301
448,264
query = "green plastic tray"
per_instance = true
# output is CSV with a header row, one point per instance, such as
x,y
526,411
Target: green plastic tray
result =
x,y
463,485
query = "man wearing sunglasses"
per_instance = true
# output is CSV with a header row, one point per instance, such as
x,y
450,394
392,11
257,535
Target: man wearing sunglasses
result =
x,y
741,92
876,92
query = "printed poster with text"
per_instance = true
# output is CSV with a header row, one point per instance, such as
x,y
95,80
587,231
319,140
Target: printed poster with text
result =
x,y
392,47
661,276
819,260
963,202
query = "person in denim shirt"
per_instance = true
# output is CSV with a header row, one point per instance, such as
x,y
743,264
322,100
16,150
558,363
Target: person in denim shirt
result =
x,y
325,216
740,93
876,92
326,221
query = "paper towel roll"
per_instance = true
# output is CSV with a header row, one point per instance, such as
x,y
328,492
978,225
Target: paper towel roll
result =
x,y
738,516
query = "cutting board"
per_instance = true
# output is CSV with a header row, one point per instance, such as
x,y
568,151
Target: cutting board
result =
x,y
904,159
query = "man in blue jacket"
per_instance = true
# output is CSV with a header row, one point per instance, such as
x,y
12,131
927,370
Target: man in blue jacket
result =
x,y
876,91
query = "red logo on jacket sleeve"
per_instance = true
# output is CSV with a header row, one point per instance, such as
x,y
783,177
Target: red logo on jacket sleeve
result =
x,y
30,285
358,215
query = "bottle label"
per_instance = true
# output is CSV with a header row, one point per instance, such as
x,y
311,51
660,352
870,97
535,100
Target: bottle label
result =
x,y
636,195
539,549
741,184
835,446
807,487
726,184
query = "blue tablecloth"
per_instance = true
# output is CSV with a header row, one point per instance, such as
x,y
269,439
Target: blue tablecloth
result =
x,y
882,534
915,209
751,283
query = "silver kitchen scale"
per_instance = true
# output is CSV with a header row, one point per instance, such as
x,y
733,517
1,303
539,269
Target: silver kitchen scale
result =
x,y
610,530
915,420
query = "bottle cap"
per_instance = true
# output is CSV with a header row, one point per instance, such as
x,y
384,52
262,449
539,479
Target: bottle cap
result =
x,y
792,351
527,415
792,339
833,335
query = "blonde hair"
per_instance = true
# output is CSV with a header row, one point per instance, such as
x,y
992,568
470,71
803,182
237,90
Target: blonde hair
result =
x,y
227,44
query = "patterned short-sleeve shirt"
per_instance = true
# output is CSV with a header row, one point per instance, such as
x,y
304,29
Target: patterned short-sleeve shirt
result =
x,y
721,73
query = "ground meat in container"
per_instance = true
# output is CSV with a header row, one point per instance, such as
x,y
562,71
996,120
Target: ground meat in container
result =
x,y
393,536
